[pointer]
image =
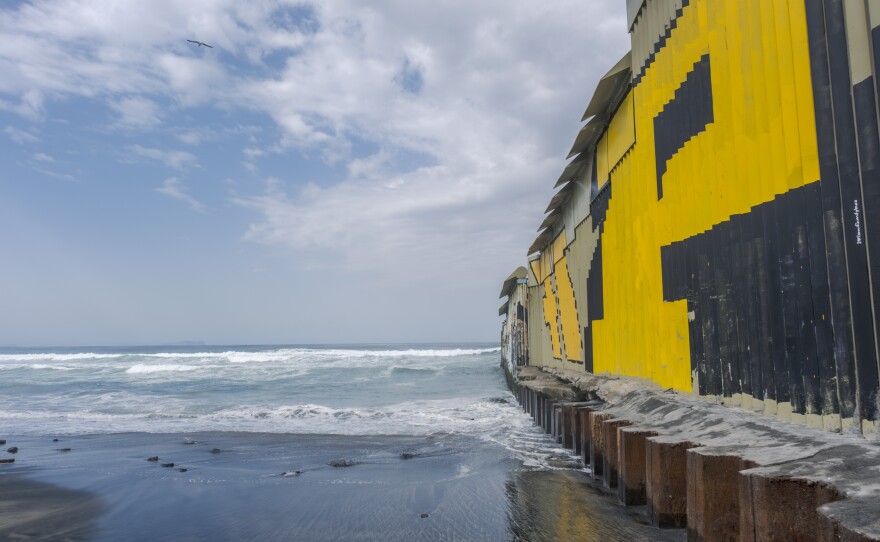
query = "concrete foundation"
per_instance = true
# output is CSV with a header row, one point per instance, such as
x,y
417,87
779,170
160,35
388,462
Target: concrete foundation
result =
x,y
693,467
583,416
632,465
666,480
773,508
713,494
610,453
597,444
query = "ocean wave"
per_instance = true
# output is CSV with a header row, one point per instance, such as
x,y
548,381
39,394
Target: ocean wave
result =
x,y
52,367
160,368
49,356
342,353
283,355
410,418
499,422
395,369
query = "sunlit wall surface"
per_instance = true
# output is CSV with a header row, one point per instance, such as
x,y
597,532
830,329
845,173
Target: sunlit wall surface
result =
x,y
718,229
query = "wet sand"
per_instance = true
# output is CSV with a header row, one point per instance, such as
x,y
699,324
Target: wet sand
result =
x,y
31,510
441,487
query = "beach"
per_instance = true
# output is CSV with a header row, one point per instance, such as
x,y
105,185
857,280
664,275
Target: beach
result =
x,y
442,487
426,446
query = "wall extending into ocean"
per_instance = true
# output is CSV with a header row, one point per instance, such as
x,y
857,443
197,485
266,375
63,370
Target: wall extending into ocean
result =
x,y
718,228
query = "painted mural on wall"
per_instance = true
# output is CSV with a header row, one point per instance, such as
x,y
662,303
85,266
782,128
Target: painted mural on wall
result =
x,y
714,231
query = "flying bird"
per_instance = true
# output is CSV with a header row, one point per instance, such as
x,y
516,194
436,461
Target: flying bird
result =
x,y
200,43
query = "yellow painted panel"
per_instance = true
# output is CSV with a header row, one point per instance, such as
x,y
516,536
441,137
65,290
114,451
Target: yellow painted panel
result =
x,y
558,248
568,316
621,132
546,264
762,143
803,89
550,317
536,270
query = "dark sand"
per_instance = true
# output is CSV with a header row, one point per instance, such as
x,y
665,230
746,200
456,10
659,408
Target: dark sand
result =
x,y
444,487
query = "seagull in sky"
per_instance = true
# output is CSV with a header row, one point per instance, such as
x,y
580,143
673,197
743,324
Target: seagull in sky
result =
x,y
200,43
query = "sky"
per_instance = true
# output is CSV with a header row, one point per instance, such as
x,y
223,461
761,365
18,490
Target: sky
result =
x,y
332,172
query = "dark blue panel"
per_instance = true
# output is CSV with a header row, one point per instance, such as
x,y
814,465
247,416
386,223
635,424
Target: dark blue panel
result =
x,y
685,116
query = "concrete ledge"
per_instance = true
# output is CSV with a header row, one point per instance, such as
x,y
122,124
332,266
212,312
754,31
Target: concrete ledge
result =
x,y
586,435
849,521
666,480
597,443
713,495
610,453
632,465
695,463
774,508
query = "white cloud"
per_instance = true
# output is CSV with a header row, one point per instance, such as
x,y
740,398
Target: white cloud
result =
x,y
137,113
190,137
469,107
55,174
171,158
42,157
173,188
20,136
30,105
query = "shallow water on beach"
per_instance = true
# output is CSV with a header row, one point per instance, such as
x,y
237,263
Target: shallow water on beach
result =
x,y
439,448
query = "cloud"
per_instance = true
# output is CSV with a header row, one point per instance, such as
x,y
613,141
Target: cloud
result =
x,y
54,174
137,113
471,132
171,158
445,123
190,137
173,188
20,136
30,105
42,157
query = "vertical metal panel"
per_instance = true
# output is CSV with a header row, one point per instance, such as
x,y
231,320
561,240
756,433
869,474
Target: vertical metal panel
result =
x,y
841,317
568,317
853,204
621,131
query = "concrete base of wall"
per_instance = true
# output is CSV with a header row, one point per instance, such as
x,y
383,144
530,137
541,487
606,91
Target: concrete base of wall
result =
x,y
611,451
696,468
632,461
714,493
666,480
597,443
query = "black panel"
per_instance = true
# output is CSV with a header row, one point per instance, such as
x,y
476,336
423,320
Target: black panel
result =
x,y
806,339
853,205
741,349
777,387
840,315
595,303
823,370
749,285
763,354
595,299
685,116
594,182
869,165
599,207
588,349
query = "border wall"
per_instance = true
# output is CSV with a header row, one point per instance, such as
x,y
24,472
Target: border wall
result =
x,y
717,230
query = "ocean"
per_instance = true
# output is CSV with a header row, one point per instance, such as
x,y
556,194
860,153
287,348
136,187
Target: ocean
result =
x,y
432,443
342,390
